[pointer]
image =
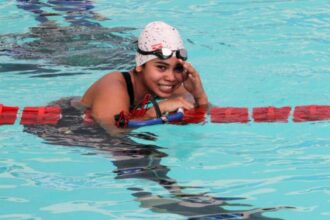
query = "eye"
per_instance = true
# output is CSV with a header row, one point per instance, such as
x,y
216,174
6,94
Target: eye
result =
x,y
161,68
178,68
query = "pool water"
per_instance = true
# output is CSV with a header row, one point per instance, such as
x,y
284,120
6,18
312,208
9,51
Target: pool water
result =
x,y
249,54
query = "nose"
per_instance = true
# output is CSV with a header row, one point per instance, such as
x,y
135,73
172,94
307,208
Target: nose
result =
x,y
170,75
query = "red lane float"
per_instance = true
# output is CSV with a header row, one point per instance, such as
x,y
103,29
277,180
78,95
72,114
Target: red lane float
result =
x,y
229,115
8,114
311,113
271,114
41,115
194,116
88,118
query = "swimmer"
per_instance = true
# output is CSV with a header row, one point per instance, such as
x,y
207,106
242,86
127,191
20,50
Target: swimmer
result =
x,y
161,70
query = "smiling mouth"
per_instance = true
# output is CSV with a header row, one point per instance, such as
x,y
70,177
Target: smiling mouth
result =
x,y
166,88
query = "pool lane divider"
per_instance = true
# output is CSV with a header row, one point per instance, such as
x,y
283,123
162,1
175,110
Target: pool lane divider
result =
x,y
270,114
8,114
41,115
30,115
52,114
311,113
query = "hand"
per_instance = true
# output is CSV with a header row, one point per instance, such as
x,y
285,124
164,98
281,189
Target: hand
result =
x,y
193,84
170,105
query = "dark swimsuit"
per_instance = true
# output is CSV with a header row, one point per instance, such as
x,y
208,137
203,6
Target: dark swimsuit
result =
x,y
130,92
130,89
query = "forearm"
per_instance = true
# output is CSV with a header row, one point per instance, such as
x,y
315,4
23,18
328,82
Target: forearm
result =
x,y
201,100
152,113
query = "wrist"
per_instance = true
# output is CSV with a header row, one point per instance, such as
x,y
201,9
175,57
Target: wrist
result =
x,y
201,99
153,113
150,113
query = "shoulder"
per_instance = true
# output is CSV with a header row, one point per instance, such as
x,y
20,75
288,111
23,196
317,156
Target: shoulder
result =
x,y
114,79
105,86
110,79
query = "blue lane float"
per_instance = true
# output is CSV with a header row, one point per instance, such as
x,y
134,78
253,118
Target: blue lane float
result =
x,y
177,116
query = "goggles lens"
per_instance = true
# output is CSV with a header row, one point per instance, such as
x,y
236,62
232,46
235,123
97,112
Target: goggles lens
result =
x,y
165,53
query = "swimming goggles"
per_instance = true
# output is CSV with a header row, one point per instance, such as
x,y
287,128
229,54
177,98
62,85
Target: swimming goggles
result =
x,y
165,53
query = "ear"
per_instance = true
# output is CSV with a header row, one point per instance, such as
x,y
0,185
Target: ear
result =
x,y
138,69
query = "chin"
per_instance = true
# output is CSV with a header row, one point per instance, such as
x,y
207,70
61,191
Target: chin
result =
x,y
163,94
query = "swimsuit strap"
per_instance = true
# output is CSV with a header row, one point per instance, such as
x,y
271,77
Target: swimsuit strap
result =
x,y
156,106
130,89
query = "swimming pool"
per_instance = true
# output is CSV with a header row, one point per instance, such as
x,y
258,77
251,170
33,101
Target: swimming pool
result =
x,y
249,53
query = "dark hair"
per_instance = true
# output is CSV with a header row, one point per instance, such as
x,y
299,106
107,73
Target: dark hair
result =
x,y
134,69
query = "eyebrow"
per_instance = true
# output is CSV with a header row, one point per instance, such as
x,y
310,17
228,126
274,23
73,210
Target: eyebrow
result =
x,y
167,64
162,62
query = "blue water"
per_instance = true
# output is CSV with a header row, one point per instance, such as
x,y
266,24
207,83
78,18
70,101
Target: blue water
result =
x,y
249,53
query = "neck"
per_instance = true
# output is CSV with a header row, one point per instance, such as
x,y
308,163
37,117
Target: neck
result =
x,y
140,90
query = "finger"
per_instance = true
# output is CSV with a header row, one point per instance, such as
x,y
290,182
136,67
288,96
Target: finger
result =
x,y
185,75
187,105
192,77
190,69
187,65
184,78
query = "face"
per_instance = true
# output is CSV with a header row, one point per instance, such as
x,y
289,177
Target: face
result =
x,y
163,77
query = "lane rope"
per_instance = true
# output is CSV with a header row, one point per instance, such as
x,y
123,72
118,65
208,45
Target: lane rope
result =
x,y
305,113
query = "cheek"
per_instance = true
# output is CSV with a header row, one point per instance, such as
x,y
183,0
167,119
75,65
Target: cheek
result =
x,y
153,76
150,80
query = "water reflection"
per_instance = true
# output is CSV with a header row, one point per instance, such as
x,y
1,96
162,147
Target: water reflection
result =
x,y
78,41
140,161
74,12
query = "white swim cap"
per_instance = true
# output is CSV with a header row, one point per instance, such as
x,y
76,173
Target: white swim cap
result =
x,y
157,35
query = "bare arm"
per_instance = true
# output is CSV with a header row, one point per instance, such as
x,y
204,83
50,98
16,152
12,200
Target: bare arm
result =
x,y
106,98
193,84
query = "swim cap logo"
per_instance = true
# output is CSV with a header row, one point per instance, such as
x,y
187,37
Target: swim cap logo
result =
x,y
156,46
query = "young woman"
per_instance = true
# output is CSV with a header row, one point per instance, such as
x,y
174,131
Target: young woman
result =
x,y
161,71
